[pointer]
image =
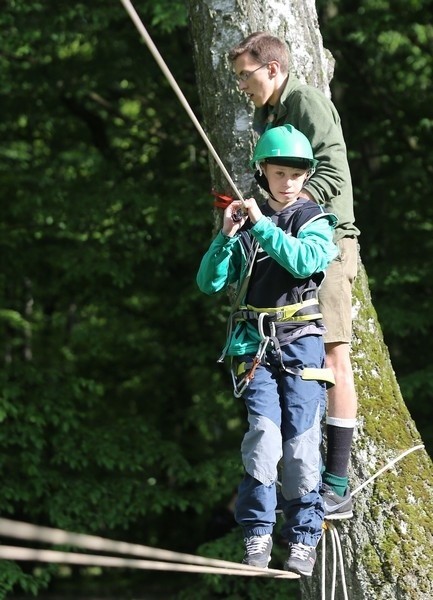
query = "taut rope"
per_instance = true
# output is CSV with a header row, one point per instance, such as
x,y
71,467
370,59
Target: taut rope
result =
x,y
154,50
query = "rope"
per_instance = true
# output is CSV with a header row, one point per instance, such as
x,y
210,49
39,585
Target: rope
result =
x,y
157,56
340,556
169,560
173,561
323,588
54,556
334,564
335,538
386,467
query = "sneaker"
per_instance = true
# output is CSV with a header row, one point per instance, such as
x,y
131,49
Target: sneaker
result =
x,y
336,507
258,550
301,559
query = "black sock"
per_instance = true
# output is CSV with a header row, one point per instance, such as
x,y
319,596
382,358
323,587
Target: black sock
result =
x,y
339,434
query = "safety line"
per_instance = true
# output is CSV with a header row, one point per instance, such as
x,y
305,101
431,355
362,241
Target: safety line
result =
x,y
335,538
157,56
334,564
340,556
323,578
336,551
386,467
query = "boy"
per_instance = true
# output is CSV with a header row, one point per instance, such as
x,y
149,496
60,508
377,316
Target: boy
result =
x,y
277,254
262,63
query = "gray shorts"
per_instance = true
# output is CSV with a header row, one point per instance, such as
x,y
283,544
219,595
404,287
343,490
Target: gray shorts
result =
x,y
335,294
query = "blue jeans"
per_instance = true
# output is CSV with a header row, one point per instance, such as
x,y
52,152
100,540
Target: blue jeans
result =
x,y
284,423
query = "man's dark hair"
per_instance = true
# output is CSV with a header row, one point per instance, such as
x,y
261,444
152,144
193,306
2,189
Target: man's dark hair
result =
x,y
264,48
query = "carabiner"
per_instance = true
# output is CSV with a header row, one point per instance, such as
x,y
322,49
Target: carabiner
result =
x,y
238,389
260,326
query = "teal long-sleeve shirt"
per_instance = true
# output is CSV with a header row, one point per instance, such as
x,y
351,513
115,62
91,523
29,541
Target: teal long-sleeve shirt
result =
x,y
225,263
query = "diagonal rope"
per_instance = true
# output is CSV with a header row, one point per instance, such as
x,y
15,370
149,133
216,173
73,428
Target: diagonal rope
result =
x,y
335,538
157,56
386,468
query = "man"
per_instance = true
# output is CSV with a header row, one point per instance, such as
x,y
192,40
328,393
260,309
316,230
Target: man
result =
x,y
261,63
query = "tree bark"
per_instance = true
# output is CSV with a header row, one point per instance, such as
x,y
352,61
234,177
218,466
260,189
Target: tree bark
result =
x,y
386,546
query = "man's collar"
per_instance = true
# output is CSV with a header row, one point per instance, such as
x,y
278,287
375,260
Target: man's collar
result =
x,y
266,115
280,109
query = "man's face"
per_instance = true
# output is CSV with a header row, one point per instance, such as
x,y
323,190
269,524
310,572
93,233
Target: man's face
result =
x,y
255,79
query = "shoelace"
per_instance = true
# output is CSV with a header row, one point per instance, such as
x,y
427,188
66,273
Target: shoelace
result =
x,y
300,551
257,544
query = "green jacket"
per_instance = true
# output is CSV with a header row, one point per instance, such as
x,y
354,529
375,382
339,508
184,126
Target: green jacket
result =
x,y
310,111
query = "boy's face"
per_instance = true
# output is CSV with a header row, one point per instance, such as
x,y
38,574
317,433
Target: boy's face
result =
x,y
285,184
259,81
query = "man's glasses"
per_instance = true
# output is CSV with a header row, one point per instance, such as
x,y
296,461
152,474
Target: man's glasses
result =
x,y
247,74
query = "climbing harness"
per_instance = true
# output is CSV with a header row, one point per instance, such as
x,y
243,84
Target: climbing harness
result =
x,y
306,310
161,63
243,373
249,369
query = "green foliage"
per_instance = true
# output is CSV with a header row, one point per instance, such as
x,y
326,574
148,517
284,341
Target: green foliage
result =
x,y
115,418
11,574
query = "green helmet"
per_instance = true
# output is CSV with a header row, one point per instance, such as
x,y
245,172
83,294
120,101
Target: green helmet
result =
x,y
284,145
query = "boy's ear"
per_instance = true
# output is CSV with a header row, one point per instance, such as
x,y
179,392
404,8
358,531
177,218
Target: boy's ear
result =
x,y
262,180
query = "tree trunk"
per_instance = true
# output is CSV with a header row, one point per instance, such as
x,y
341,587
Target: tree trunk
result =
x,y
386,546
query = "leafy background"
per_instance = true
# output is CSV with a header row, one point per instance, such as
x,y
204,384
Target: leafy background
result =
x,y
115,418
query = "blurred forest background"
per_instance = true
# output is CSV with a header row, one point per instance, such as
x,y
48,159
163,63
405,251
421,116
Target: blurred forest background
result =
x,y
115,418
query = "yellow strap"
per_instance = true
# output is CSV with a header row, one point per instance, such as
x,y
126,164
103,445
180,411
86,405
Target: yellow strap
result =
x,y
325,374
308,373
289,311
242,367
311,317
